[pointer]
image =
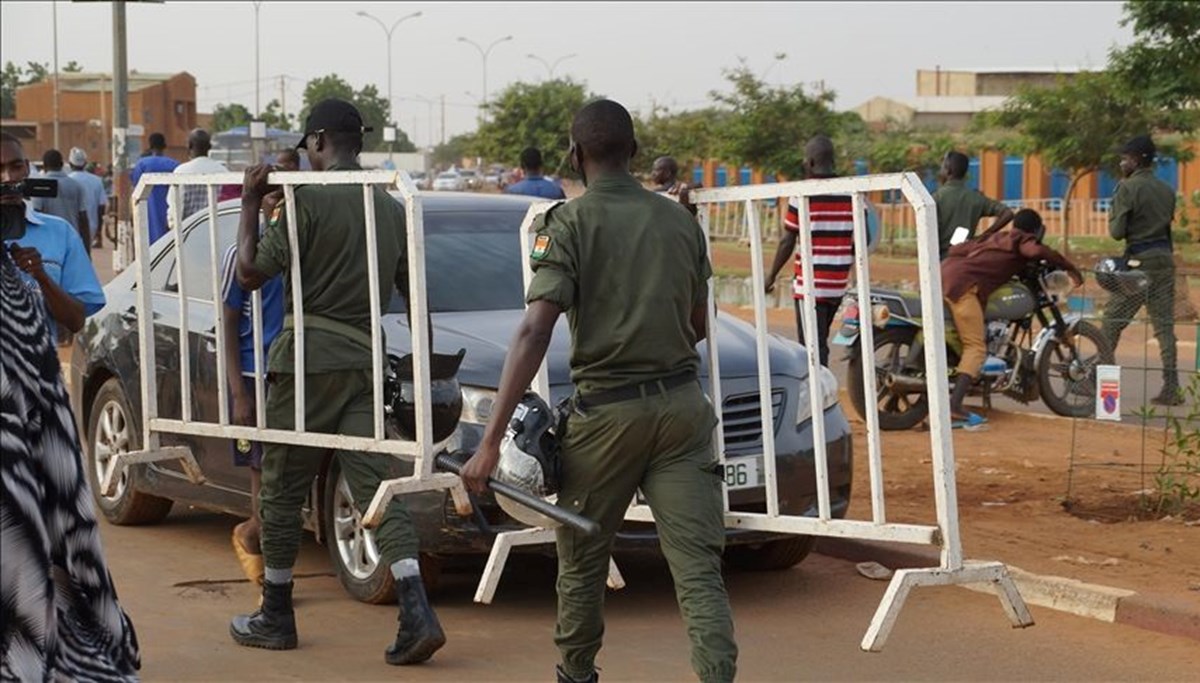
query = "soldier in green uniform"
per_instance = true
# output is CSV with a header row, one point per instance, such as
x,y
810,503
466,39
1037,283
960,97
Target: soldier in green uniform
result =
x,y
338,375
631,270
1142,210
958,206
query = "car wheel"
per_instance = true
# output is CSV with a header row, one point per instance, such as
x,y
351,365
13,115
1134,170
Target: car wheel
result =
x,y
772,555
110,431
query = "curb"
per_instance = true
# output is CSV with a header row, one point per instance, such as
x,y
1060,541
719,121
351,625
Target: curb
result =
x,y
1161,613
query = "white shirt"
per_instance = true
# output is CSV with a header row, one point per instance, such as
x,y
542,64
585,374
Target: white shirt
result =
x,y
195,198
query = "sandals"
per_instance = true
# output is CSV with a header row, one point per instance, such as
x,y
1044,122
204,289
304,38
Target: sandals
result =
x,y
970,422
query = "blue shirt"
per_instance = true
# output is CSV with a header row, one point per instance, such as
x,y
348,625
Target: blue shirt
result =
x,y
240,300
537,186
64,259
93,194
157,203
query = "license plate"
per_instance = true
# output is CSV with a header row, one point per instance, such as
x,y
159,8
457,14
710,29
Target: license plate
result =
x,y
741,473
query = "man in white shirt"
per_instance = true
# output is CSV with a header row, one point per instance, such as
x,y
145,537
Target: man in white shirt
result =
x,y
95,198
195,198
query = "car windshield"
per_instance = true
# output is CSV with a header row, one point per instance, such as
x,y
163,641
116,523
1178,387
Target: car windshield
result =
x,y
472,261
447,176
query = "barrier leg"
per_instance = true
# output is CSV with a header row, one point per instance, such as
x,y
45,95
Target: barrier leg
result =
x,y
505,542
391,488
905,580
118,463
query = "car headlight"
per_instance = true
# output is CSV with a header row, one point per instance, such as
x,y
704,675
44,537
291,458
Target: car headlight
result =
x,y
829,395
477,404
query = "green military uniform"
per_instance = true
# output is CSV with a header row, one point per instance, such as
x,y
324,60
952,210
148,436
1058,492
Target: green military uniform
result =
x,y
629,267
960,206
1142,210
338,368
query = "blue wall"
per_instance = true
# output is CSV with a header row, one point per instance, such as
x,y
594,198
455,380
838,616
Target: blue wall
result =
x,y
1014,168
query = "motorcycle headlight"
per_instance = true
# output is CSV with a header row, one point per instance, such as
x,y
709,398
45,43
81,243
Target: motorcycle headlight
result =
x,y
1057,283
829,395
477,404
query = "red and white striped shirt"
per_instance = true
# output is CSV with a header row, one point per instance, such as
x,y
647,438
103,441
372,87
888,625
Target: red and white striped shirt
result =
x,y
832,220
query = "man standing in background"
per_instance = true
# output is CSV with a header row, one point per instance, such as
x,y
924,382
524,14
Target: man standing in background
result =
x,y
155,162
958,206
70,204
534,183
95,198
195,197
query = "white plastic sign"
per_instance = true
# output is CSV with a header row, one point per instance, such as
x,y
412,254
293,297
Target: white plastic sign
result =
x,y
1108,392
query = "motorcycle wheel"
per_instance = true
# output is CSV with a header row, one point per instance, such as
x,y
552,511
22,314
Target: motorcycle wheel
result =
x,y
898,410
1066,371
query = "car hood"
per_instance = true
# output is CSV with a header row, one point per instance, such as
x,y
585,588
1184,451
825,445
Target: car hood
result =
x,y
486,335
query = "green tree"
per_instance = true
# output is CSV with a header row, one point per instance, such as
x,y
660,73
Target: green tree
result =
x,y
1076,124
274,118
374,109
226,116
1163,61
73,67
452,151
898,147
13,77
531,115
769,125
687,136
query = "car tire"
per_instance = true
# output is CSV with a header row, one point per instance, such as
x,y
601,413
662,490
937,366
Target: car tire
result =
x,y
784,553
353,551
111,430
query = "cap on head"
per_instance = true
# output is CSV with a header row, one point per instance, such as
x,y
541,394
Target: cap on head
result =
x,y
158,141
1141,147
333,116
77,157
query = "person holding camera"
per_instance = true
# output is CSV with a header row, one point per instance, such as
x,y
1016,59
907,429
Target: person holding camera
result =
x,y
48,250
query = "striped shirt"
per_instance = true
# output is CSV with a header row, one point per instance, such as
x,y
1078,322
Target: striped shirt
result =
x,y
832,221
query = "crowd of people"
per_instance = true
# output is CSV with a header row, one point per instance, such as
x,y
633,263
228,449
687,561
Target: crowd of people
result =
x,y
639,418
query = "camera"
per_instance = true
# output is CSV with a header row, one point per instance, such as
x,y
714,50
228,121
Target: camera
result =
x,y
30,188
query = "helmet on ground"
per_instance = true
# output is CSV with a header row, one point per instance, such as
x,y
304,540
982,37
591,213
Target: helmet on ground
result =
x,y
445,395
1115,275
529,459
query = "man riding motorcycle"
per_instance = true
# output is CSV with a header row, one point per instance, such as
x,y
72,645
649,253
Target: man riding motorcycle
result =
x,y
970,273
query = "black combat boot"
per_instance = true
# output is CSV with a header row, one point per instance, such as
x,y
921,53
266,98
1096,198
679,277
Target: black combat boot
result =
x,y
420,634
1170,394
273,625
564,678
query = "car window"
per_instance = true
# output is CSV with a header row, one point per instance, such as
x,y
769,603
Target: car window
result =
x,y
448,176
196,243
472,261
161,271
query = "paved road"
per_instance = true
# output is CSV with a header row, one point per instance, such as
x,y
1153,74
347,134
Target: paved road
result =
x,y
180,584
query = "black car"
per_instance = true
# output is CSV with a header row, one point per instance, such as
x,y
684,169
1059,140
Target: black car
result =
x,y
475,295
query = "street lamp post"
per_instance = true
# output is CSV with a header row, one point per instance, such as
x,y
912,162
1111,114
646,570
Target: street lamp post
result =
x,y
550,67
388,32
54,12
483,54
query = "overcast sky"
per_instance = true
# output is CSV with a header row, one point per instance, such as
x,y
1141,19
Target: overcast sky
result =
x,y
672,53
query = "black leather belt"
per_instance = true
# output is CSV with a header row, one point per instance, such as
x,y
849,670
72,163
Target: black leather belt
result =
x,y
1140,247
628,393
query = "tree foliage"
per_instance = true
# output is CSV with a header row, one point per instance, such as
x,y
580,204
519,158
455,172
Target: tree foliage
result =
x,y
1163,61
531,115
687,136
226,116
897,147
767,126
452,151
374,108
13,77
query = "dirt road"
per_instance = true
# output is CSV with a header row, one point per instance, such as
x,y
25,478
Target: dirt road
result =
x,y
180,584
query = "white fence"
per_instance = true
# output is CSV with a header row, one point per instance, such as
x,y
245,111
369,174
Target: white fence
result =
x,y
752,205
420,451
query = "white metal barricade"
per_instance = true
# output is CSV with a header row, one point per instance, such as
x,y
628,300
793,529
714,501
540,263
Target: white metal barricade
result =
x,y
420,452
945,533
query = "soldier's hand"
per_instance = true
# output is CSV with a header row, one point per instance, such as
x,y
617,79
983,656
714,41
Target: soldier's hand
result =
x,y
481,465
270,201
243,409
29,260
254,183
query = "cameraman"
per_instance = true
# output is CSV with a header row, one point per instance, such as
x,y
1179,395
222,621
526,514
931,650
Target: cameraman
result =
x,y
47,249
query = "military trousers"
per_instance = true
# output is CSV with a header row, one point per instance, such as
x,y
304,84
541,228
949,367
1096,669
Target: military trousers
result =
x,y
1159,300
660,443
337,403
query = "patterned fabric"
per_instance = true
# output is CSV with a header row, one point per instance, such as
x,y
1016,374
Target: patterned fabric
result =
x,y
59,615
831,218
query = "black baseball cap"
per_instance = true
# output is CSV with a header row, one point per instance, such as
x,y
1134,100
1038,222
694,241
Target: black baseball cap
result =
x,y
333,115
1141,146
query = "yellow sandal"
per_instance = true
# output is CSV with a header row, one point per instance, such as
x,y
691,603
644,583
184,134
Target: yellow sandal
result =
x,y
252,564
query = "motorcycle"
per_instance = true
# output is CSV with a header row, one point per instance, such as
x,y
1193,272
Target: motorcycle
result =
x,y
1035,350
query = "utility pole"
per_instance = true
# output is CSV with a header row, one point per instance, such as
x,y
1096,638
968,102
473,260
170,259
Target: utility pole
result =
x,y
388,31
443,119
54,13
283,100
483,55
120,148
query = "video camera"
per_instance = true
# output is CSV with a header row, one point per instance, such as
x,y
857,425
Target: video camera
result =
x,y
30,188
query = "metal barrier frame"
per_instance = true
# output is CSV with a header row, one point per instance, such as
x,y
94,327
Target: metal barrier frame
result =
x,y
420,451
945,534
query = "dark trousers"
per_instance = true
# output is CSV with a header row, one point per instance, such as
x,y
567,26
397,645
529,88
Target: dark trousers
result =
x,y
1159,300
826,312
